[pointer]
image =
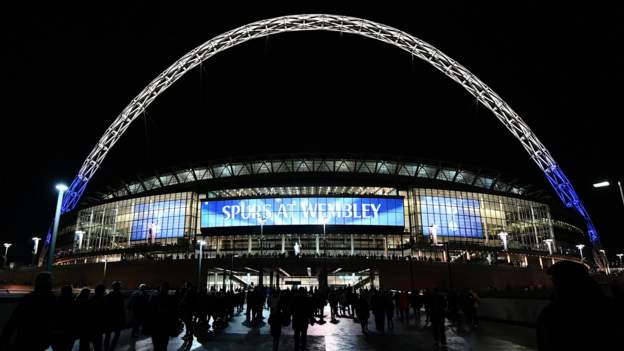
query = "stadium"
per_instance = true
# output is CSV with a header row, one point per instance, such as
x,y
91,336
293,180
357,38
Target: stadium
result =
x,y
308,220
314,220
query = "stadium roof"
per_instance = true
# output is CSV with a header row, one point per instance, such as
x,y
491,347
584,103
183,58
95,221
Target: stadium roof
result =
x,y
306,165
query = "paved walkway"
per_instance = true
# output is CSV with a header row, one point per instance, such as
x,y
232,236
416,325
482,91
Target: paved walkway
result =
x,y
346,335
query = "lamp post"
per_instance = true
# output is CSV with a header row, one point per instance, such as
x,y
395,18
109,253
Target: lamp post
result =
x,y
261,221
580,247
6,252
549,243
232,273
62,188
606,260
35,248
620,257
503,237
324,221
606,184
201,255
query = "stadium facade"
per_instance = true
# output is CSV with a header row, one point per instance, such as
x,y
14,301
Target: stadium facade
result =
x,y
314,207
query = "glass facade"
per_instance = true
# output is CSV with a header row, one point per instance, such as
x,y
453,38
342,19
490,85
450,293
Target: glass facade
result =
x,y
460,217
476,217
162,218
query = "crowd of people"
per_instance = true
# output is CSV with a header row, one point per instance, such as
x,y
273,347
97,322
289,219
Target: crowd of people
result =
x,y
579,314
96,318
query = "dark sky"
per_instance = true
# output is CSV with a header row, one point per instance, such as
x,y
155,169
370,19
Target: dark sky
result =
x,y
68,70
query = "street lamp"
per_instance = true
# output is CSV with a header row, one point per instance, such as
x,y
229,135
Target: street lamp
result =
x,y
62,188
549,243
324,221
503,237
606,259
201,255
232,272
261,221
6,252
35,248
580,247
606,184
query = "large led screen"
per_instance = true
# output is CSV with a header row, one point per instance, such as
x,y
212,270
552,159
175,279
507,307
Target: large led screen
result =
x,y
158,220
452,216
302,211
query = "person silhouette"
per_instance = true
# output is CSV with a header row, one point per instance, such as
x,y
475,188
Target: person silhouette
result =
x,y
32,319
65,333
83,319
579,316
302,311
116,316
97,317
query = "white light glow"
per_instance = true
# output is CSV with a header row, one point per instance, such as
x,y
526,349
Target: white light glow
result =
x,y
61,187
601,184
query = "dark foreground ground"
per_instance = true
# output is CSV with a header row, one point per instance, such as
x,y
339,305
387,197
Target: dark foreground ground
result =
x,y
346,335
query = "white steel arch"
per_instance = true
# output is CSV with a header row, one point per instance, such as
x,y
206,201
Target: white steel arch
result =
x,y
343,24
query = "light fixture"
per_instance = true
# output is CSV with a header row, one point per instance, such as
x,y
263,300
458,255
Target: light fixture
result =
x,y
602,184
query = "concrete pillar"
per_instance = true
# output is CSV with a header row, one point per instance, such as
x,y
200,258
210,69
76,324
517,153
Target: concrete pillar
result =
x,y
352,248
385,243
318,249
249,245
283,243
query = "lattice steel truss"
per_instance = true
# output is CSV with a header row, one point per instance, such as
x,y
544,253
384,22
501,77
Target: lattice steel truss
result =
x,y
343,24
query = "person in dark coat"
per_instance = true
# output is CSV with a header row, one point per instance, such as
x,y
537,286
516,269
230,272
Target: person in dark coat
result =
x,y
116,316
580,316
363,313
188,309
438,310
64,334
379,311
137,307
162,319
389,307
32,319
83,318
276,318
98,317
302,311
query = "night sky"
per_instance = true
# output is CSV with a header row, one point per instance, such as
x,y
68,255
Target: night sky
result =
x,y
68,70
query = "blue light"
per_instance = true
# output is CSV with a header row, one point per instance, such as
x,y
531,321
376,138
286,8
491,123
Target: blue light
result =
x,y
453,216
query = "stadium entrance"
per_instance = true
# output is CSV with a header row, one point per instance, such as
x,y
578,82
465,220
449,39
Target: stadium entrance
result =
x,y
289,278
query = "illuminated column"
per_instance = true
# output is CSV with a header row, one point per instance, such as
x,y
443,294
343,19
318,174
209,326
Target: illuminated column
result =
x,y
283,243
318,249
534,227
91,228
606,260
620,257
526,261
503,237
385,247
549,243
541,263
352,247
580,247
79,236
482,216
433,230
249,245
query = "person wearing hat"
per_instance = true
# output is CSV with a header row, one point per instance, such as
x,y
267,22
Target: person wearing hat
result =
x,y
579,315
